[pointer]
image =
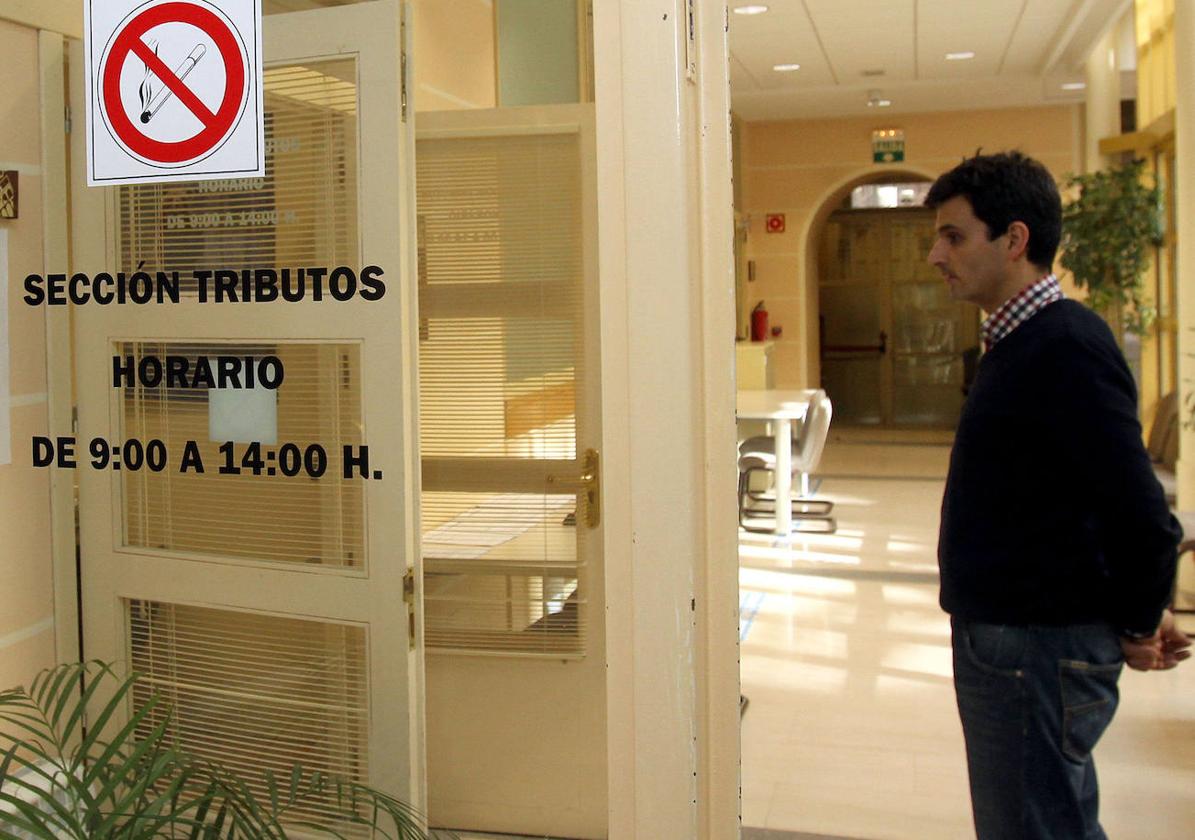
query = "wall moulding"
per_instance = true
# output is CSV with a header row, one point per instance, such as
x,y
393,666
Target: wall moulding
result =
x,y
62,16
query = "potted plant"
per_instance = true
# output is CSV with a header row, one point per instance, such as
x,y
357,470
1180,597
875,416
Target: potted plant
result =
x,y
1109,229
120,775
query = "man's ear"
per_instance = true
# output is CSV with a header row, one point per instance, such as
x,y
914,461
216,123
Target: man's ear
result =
x,y
1018,240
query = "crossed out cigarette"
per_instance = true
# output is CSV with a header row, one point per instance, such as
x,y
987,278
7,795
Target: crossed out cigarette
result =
x,y
188,64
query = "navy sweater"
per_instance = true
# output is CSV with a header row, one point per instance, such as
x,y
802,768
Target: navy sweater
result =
x,y
1052,513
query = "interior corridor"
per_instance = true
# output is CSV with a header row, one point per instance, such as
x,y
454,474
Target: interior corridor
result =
x,y
851,729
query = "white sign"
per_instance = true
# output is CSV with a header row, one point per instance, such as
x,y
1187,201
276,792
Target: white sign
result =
x,y
174,90
242,415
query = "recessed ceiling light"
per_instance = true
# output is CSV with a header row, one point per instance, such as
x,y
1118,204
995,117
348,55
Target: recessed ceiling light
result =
x,y
960,56
1074,86
878,103
786,68
750,10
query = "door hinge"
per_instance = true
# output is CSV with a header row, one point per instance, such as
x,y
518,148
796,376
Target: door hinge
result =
x,y
66,118
408,595
691,41
588,486
402,62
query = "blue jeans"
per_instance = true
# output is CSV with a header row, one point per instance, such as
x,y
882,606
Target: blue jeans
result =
x,y
1033,702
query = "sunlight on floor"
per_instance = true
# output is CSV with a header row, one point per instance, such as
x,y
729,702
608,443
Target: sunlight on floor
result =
x,y
852,729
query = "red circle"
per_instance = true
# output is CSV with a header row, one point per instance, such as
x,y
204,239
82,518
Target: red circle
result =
x,y
213,132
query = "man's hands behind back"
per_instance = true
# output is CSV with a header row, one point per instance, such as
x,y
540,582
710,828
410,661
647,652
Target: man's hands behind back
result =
x,y
1159,652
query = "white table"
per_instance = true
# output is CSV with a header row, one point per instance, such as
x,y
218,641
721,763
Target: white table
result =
x,y
780,408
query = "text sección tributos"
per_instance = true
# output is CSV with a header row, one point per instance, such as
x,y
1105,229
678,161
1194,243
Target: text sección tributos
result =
x,y
178,373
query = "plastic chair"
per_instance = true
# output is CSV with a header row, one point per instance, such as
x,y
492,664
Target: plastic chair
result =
x,y
758,454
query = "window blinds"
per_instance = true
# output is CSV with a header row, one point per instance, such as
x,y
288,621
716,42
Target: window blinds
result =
x,y
500,274
256,692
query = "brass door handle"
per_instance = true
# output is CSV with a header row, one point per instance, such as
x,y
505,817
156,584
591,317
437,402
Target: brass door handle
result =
x,y
408,595
588,482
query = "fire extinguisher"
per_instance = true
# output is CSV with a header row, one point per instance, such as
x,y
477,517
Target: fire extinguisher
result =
x,y
759,323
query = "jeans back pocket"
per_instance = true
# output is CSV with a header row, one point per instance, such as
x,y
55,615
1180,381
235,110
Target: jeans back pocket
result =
x,y
1089,699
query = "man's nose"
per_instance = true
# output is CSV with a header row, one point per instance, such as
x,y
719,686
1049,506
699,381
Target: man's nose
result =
x,y
934,257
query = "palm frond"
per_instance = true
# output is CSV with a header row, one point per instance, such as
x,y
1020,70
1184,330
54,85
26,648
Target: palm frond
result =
x,y
117,775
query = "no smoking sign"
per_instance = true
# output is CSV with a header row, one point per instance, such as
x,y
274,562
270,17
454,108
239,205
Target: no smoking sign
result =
x,y
174,90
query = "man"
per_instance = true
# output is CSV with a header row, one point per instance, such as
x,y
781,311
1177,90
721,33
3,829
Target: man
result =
x,y
1057,549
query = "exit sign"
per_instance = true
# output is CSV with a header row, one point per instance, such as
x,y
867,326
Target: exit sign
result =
x,y
887,145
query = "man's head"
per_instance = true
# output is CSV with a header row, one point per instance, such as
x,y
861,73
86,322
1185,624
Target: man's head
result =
x,y
999,223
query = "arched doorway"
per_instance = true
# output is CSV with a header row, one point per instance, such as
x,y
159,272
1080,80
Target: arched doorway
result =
x,y
893,349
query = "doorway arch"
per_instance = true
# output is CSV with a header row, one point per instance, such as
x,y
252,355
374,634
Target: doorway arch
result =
x,y
889,344
827,203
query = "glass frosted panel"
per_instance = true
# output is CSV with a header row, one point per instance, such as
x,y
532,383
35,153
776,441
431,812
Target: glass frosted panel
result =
x,y
925,319
537,52
850,316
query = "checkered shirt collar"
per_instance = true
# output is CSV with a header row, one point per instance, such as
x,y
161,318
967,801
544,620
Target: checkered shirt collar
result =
x,y
1020,308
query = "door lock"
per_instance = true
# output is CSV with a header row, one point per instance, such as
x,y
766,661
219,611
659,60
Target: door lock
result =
x,y
587,483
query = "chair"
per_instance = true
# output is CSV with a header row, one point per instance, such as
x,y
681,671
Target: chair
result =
x,y
1162,443
1187,546
758,454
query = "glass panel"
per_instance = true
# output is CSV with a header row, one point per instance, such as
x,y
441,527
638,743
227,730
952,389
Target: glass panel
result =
x,y
501,572
302,213
851,359
930,337
928,390
850,317
501,274
537,52
283,514
853,386
924,319
874,196
500,287
911,236
255,693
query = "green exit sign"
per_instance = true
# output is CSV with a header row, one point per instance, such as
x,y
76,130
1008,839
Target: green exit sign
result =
x,y
887,145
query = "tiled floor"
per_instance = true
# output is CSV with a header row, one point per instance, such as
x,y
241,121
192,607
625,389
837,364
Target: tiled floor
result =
x,y
852,730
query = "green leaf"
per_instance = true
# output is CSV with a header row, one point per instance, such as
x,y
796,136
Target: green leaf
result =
x,y
126,780
1110,230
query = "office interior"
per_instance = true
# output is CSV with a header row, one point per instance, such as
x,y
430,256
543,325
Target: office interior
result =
x,y
541,621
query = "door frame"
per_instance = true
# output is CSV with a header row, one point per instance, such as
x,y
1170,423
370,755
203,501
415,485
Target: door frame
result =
x,y
666,226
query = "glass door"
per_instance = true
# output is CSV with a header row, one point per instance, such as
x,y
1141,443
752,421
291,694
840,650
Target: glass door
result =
x,y
895,349
510,429
263,591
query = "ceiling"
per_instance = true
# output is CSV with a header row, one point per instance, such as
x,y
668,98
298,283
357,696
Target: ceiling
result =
x,y
895,50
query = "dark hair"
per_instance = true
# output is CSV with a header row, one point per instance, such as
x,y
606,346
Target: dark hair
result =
x,y
1004,188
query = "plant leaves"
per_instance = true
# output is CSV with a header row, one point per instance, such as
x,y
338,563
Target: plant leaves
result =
x,y
126,780
1110,230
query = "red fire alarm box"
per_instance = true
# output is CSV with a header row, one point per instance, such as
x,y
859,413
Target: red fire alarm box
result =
x,y
774,223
